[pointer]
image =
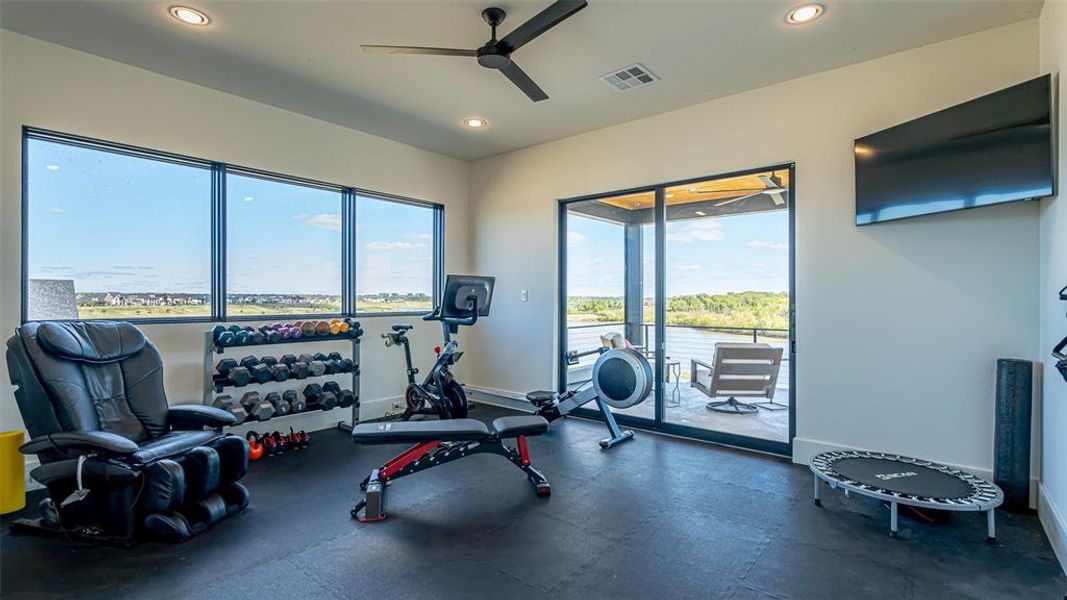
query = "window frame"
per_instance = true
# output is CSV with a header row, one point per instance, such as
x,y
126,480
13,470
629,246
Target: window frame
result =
x,y
219,171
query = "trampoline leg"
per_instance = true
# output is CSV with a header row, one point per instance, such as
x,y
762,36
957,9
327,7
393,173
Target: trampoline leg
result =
x,y
892,519
818,501
991,523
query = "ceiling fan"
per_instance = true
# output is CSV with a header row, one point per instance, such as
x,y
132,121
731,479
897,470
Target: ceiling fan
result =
x,y
774,189
496,54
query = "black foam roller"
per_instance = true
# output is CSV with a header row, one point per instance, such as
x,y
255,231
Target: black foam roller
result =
x,y
1011,450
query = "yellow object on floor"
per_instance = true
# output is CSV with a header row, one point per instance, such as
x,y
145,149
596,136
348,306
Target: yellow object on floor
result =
x,y
12,472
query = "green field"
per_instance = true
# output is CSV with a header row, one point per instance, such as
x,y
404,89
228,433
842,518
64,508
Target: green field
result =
x,y
156,312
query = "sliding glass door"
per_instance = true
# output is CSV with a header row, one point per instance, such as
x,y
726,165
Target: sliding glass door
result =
x,y
697,275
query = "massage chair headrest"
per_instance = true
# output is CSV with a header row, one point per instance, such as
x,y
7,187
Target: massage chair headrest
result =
x,y
91,341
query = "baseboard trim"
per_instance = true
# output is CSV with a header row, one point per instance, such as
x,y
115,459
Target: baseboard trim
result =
x,y
1054,525
501,398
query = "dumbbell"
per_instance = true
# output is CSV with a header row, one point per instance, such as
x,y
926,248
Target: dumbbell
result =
x,y
322,328
312,391
270,361
225,365
346,365
299,370
296,403
281,407
316,368
279,372
305,358
307,328
288,360
333,367
345,397
258,408
228,404
316,395
239,376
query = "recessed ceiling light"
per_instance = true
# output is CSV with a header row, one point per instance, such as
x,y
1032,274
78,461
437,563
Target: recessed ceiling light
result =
x,y
189,16
475,122
804,14
52,167
701,213
670,195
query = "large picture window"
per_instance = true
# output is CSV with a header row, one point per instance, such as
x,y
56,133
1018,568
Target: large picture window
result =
x,y
283,248
115,236
394,256
119,232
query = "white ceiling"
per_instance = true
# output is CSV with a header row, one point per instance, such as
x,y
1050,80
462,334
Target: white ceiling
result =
x,y
304,56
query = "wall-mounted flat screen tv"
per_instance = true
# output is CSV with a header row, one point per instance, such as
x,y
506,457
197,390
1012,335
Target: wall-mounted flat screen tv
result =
x,y
994,149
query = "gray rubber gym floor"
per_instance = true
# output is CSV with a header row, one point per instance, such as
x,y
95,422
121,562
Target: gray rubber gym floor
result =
x,y
655,518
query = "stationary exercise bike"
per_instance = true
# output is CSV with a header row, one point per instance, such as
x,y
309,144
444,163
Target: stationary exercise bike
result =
x,y
622,378
465,298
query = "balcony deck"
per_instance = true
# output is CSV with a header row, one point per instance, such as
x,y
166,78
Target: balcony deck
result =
x,y
686,405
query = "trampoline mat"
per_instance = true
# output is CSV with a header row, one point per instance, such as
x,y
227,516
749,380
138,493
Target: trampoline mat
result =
x,y
903,478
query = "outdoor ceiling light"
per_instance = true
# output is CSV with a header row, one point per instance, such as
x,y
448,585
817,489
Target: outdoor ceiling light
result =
x,y
189,16
804,14
475,122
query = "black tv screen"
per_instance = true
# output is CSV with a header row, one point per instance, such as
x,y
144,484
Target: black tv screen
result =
x,y
994,149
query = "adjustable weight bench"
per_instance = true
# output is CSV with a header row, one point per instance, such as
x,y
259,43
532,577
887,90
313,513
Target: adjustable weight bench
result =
x,y
440,442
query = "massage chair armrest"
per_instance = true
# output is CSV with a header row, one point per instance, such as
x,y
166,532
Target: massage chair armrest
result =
x,y
196,416
81,442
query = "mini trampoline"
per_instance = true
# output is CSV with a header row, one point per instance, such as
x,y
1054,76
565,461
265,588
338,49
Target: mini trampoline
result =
x,y
909,481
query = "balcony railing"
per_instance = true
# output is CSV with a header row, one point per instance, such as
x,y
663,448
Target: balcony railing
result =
x,y
684,342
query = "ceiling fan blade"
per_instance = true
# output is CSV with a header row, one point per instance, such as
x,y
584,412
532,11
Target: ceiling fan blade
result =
x,y
371,49
722,191
541,22
738,199
777,198
523,81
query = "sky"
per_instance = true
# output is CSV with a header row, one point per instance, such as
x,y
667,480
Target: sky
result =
x,y
717,255
117,223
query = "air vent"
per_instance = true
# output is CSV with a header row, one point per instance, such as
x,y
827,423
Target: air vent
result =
x,y
627,78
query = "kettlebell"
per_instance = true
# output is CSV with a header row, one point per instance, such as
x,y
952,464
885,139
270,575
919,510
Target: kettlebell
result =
x,y
255,447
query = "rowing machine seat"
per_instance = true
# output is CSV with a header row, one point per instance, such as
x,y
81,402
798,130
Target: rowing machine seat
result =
x,y
509,427
402,432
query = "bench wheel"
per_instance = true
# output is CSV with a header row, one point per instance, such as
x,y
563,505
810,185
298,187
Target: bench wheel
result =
x,y
543,490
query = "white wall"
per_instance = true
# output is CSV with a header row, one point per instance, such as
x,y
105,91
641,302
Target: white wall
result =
x,y
898,325
1053,494
49,86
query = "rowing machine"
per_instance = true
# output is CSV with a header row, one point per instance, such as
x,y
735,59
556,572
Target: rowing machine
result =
x,y
622,378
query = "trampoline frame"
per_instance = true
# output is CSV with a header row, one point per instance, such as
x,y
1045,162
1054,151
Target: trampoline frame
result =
x,y
984,497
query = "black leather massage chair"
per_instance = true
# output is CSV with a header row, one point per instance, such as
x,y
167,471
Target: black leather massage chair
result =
x,y
120,465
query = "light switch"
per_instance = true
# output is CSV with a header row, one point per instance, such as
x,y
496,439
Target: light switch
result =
x,y
525,295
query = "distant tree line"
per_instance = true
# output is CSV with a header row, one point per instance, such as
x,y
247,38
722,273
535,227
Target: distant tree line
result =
x,y
736,309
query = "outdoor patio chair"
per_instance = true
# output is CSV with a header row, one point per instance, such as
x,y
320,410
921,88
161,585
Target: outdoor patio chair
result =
x,y
739,370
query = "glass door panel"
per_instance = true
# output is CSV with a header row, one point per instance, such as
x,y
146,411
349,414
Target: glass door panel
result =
x,y
727,284
610,280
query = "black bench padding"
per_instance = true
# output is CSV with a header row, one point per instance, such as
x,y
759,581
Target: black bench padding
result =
x,y
509,427
398,432
451,430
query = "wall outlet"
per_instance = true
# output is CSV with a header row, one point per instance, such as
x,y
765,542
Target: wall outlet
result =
x,y
525,295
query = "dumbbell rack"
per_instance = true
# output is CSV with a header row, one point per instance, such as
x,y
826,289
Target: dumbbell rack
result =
x,y
212,349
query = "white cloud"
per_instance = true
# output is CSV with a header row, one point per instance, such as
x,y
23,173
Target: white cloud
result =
x,y
300,216
330,221
704,230
417,236
689,267
768,245
393,245
55,210
574,237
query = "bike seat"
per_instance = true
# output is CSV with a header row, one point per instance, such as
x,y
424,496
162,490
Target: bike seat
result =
x,y
401,327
